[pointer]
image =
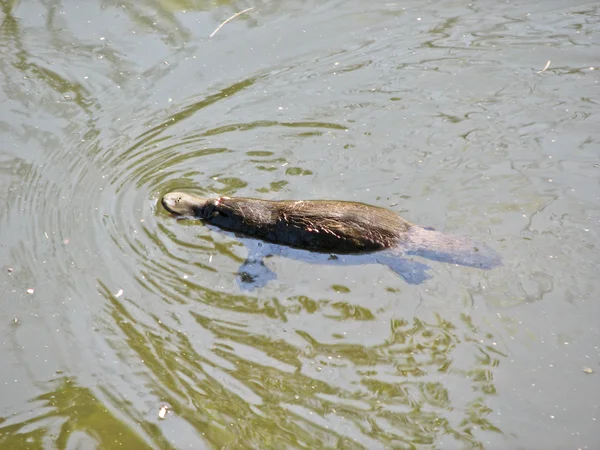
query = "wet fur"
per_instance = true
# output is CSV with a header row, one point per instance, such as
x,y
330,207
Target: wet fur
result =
x,y
321,225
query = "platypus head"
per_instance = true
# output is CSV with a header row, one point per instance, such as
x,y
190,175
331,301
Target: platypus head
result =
x,y
187,205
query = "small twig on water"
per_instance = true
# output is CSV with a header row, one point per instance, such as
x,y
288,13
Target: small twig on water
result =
x,y
545,67
228,20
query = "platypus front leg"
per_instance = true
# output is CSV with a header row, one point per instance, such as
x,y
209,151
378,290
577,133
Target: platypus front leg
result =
x,y
253,273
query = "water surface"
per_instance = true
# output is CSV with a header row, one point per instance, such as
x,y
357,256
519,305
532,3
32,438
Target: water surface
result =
x,y
440,111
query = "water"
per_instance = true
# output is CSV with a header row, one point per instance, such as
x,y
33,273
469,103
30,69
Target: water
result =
x,y
440,111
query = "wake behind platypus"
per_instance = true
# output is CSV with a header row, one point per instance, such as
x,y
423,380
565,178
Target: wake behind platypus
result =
x,y
331,227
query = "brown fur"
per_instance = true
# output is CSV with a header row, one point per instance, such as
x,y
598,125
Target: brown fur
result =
x,y
320,225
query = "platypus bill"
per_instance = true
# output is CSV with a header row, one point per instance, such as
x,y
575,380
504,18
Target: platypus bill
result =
x,y
359,233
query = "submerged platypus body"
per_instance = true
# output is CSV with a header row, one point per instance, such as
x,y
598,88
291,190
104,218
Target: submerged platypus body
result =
x,y
334,227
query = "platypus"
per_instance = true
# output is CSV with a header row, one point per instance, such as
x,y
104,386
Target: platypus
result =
x,y
335,228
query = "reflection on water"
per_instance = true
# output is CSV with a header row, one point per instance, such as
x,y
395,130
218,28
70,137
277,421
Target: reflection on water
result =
x,y
236,384
71,416
111,309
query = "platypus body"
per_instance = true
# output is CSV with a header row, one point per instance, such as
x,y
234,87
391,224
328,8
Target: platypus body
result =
x,y
332,227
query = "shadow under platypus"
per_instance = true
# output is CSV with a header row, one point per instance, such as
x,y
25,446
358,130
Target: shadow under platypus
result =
x,y
328,232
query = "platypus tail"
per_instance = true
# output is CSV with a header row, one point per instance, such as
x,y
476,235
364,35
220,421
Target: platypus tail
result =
x,y
450,248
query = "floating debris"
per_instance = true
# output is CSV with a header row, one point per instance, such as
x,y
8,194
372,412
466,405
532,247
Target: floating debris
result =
x,y
163,411
545,67
228,20
30,291
588,370
118,294
10,270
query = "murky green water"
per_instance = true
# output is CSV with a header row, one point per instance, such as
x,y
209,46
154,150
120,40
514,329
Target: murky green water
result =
x,y
440,111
